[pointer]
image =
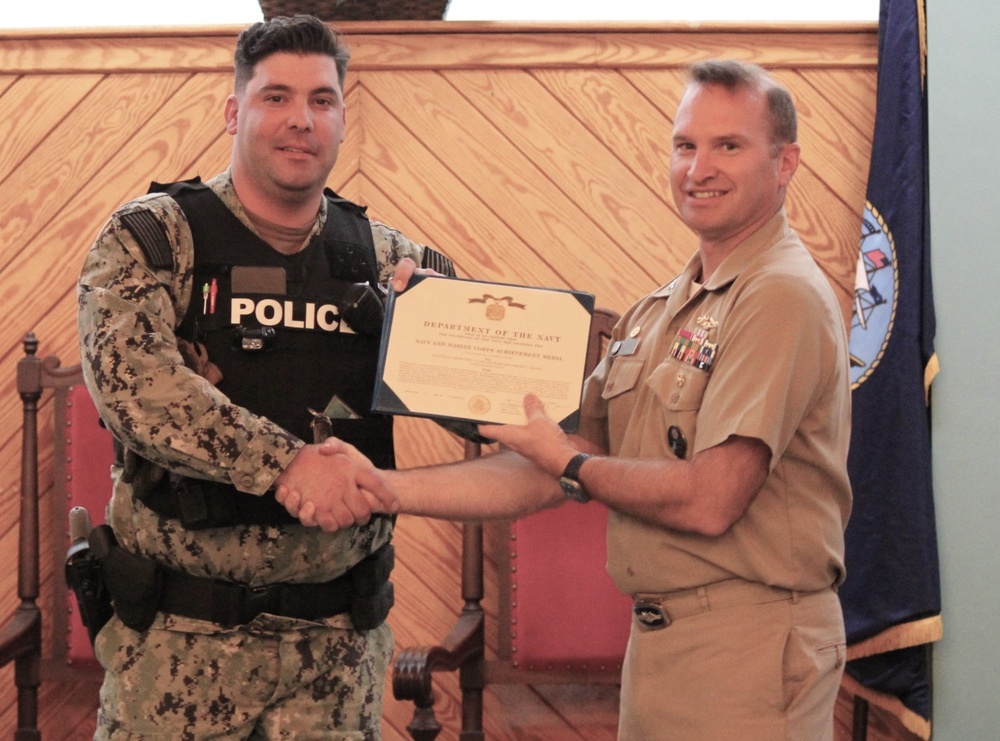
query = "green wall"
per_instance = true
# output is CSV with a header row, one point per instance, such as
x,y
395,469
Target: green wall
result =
x,y
964,100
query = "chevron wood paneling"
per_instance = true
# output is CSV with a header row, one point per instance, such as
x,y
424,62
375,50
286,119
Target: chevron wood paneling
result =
x,y
530,154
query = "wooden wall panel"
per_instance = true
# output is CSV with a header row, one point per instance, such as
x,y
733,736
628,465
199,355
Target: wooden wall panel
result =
x,y
842,148
42,102
349,156
624,116
37,187
530,154
615,219
491,46
527,194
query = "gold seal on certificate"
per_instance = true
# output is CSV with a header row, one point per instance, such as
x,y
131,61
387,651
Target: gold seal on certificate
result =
x,y
458,349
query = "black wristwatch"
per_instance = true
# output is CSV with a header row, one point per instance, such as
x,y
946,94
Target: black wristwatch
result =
x,y
569,481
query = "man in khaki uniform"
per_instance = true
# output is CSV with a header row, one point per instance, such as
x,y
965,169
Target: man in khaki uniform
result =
x,y
716,430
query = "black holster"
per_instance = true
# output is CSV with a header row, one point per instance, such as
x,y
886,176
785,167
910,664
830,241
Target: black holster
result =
x,y
83,573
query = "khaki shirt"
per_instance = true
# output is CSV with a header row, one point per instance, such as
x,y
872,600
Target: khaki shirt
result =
x,y
128,315
759,351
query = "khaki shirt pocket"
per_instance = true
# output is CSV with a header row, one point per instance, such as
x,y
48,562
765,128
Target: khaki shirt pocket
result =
x,y
678,386
622,377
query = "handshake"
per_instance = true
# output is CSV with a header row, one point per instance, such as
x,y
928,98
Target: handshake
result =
x,y
332,485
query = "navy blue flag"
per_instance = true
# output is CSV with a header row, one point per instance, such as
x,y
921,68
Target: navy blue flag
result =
x,y
892,596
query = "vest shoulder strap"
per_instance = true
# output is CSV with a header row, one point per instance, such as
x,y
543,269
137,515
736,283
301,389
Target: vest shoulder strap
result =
x,y
342,202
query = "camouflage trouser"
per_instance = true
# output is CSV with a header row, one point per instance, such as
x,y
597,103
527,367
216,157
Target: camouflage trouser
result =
x,y
255,683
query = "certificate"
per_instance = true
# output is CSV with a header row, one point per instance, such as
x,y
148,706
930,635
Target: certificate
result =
x,y
465,350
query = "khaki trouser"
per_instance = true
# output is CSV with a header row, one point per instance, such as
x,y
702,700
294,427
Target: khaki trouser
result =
x,y
742,662
263,681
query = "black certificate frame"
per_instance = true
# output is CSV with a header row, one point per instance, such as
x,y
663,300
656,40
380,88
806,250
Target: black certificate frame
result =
x,y
475,330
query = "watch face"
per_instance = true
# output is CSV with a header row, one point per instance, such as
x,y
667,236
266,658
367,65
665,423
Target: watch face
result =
x,y
573,490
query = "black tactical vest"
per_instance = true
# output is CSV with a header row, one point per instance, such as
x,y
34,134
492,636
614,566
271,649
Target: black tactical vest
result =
x,y
275,326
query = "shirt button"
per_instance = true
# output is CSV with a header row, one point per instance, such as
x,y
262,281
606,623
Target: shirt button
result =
x,y
247,480
675,398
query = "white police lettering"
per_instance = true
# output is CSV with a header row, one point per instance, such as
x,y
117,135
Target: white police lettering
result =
x,y
239,308
270,312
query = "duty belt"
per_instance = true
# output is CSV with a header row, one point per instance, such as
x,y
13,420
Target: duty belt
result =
x,y
140,587
230,604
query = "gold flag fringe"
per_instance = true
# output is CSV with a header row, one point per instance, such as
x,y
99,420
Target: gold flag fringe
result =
x,y
905,635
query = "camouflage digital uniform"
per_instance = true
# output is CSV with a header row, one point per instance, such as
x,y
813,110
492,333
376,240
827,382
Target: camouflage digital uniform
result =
x,y
184,678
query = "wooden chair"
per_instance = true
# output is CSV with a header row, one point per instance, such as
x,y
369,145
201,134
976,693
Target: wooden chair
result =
x,y
21,635
533,647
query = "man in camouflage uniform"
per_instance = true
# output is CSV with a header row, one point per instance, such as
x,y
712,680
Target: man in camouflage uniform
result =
x,y
225,643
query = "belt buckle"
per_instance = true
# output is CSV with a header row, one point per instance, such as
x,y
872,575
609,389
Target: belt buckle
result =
x,y
257,600
651,614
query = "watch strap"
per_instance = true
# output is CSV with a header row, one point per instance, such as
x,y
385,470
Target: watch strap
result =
x,y
573,467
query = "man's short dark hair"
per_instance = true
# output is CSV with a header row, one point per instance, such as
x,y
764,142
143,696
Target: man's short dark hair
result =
x,y
298,34
734,75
